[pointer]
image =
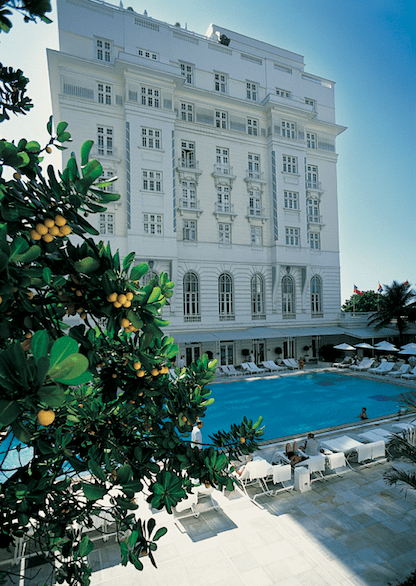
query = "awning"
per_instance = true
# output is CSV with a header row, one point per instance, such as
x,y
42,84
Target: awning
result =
x,y
363,333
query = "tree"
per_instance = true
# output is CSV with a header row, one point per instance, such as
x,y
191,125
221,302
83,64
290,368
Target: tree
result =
x,y
398,306
90,405
366,302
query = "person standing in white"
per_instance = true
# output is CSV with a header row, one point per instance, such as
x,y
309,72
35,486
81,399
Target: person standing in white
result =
x,y
196,436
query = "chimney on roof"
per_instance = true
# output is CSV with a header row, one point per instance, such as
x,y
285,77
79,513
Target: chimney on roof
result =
x,y
145,13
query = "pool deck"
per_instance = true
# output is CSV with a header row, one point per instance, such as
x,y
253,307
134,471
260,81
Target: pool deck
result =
x,y
352,530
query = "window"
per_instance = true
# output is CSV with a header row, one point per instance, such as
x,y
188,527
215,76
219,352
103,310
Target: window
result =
x,y
288,295
223,199
152,180
220,119
312,176
292,236
252,126
187,71
106,223
151,139
152,224
251,89
104,94
191,297
105,177
224,233
105,141
257,297
316,295
313,210
222,165
255,203
188,155
291,200
315,240
187,112
145,280
310,102
189,230
311,140
256,236
103,50
225,297
282,93
220,82
150,97
253,166
189,195
288,129
147,54
290,164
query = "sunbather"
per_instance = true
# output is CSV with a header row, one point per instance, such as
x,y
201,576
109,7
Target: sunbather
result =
x,y
293,455
239,471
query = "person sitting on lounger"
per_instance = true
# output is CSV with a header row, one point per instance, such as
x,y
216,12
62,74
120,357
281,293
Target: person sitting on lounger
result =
x,y
292,454
249,458
311,446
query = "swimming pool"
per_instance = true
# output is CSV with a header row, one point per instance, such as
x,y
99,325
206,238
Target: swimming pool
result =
x,y
299,403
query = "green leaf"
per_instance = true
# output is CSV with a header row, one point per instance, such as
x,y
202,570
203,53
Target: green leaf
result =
x,y
64,137
51,395
9,411
19,246
139,271
128,260
93,169
123,474
62,348
69,368
87,265
97,470
33,146
47,275
154,295
21,432
85,151
61,127
93,492
29,256
49,126
40,343
160,533
82,379
85,547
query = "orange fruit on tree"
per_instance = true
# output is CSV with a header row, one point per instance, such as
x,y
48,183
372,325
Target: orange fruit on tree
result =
x,y
54,230
41,229
137,366
46,416
65,230
154,372
117,304
48,150
129,296
122,299
125,322
112,297
49,222
35,235
140,373
47,237
59,220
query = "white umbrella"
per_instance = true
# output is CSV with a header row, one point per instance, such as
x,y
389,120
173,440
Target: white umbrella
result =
x,y
364,346
409,349
386,346
344,347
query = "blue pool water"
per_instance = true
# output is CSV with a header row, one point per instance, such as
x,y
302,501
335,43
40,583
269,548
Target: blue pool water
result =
x,y
299,403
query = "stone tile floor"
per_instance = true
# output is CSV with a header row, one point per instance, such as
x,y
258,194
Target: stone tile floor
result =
x,y
347,531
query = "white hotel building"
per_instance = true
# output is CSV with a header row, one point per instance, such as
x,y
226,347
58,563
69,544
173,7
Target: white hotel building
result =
x,y
225,153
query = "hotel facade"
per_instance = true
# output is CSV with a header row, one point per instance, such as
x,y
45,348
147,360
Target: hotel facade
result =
x,y
225,151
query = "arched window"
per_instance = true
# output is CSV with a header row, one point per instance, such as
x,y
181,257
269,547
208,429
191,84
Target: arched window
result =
x,y
288,296
145,280
316,296
225,297
191,297
257,297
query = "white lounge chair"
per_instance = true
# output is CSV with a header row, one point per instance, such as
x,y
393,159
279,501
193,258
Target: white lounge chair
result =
x,y
287,362
337,464
344,364
404,369
364,364
280,474
225,370
233,371
366,453
383,368
252,368
411,374
255,473
270,365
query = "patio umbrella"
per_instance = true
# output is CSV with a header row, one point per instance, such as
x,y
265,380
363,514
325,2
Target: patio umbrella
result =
x,y
344,347
364,346
385,346
409,349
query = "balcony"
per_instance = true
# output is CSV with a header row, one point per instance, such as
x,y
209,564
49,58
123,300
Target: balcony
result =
x,y
189,206
222,169
314,219
254,175
224,209
104,151
317,185
256,213
188,164
188,170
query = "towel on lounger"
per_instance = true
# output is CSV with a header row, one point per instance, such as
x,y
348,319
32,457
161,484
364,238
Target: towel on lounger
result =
x,y
336,460
378,449
281,473
365,452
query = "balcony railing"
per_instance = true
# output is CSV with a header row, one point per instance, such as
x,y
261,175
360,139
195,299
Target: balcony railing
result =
x,y
222,169
313,185
103,151
313,219
255,175
188,164
193,205
256,212
224,208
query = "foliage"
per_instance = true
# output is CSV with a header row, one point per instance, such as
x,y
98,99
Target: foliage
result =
x,y
90,416
327,353
397,305
366,302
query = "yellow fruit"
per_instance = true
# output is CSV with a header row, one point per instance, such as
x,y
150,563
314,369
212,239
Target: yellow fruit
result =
x,y
35,235
59,220
48,150
127,304
242,440
1,299
49,222
47,237
140,373
46,416
122,299
65,230
112,297
154,372
16,175
125,322
83,315
117,304
78,293
137,366
28,335
30,295
114,375
41,229
129,295
54,230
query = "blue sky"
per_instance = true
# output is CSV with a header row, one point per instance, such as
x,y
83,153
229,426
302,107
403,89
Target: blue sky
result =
x,y
368,48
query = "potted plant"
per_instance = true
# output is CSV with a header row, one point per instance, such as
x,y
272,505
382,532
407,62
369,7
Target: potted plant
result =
x,y
245,352
278,350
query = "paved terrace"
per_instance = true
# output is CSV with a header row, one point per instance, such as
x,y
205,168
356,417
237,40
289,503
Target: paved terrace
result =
x,y
352,530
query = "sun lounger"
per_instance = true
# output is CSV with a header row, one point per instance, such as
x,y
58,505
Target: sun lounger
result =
x,y
255,474
364,364
384,368
337,464
287,362
270,365
252,368
404,369
410,375
280,474
233,371
375,434
315,465
344,364
370,453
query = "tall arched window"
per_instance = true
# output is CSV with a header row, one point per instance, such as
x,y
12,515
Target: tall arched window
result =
x,y
145,280
288,296
191,297
225,297
257,297
316,296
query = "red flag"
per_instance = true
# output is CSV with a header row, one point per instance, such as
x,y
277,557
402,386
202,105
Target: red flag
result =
x,y
357,291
